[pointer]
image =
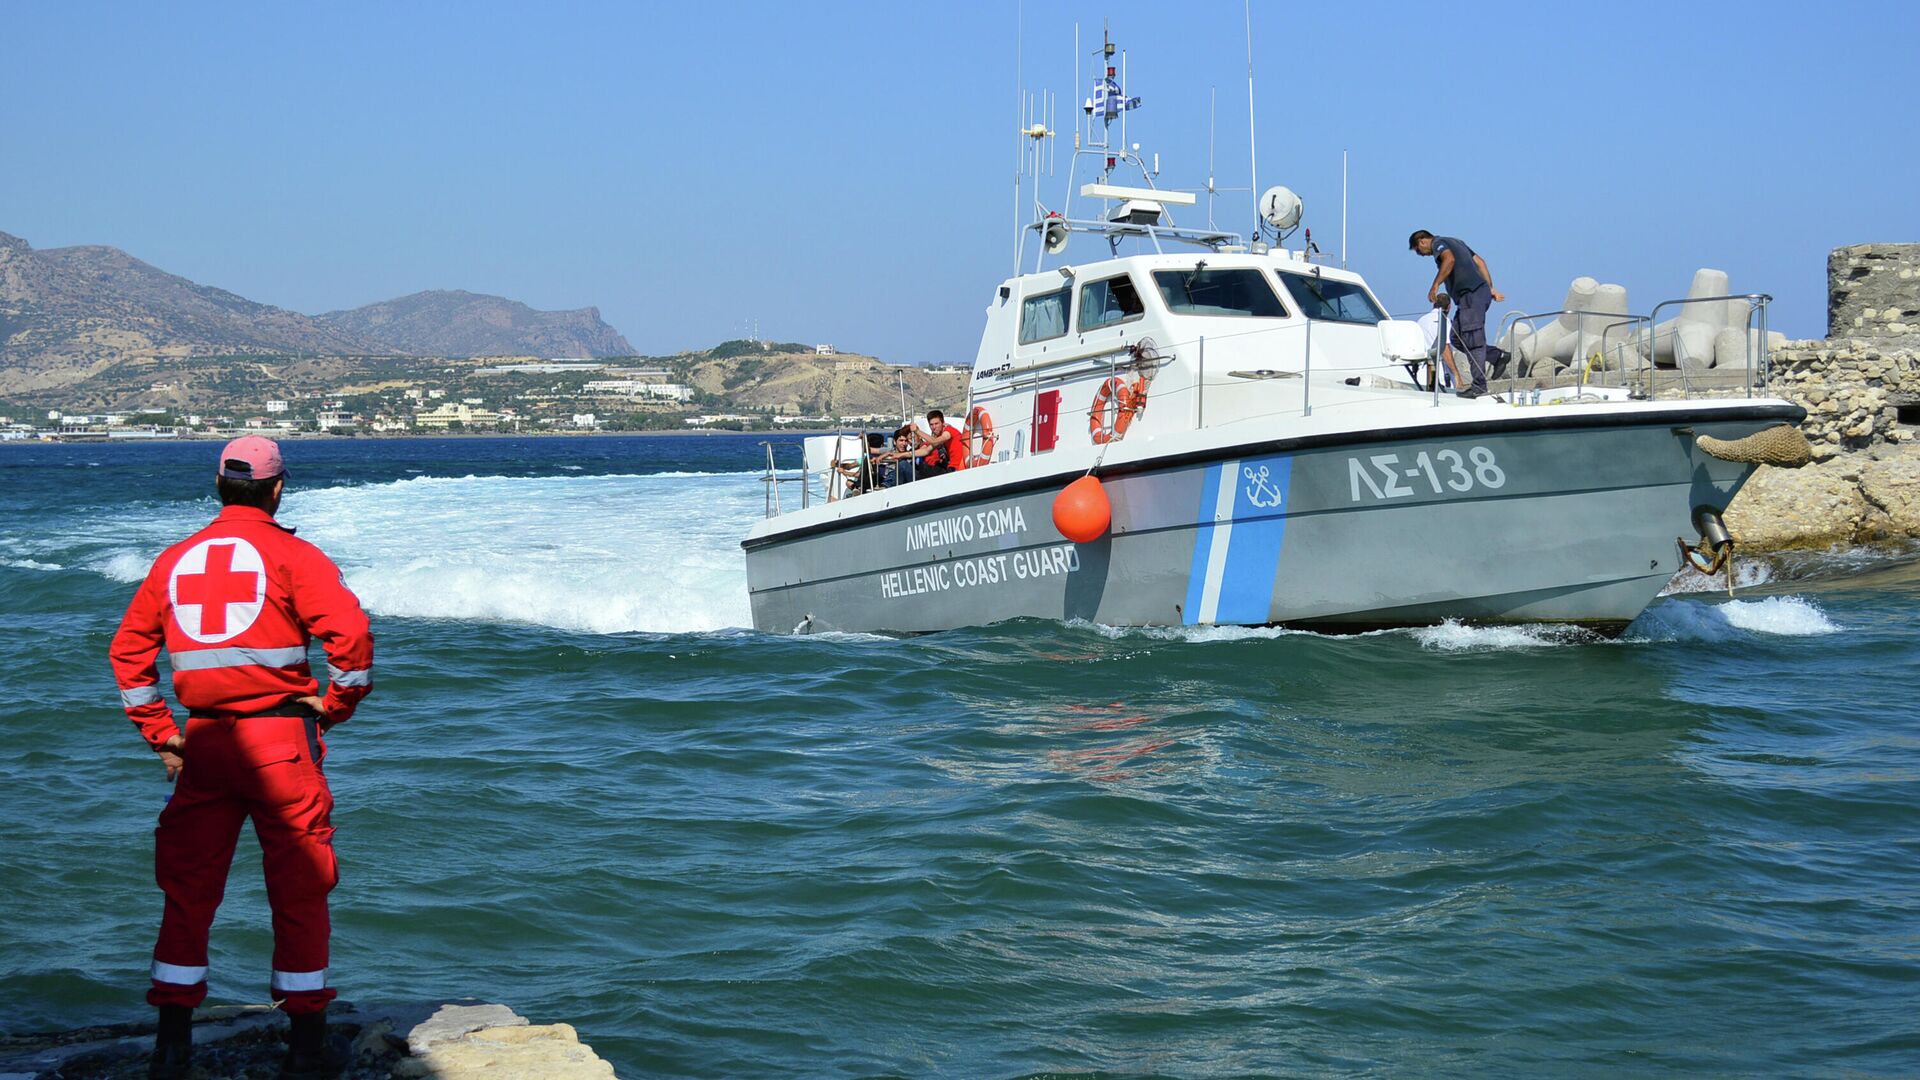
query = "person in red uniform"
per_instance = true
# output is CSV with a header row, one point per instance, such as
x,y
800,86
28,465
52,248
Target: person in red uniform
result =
x,y
943,447
236,605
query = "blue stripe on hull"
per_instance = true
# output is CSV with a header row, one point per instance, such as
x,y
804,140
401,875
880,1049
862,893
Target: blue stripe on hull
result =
x,y
1259,528
1239,531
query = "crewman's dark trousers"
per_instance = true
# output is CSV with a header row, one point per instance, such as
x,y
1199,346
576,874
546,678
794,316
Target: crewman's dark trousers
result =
x,y
266,768
1470,322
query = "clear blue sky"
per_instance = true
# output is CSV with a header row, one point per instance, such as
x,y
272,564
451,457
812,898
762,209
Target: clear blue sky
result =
x,y
842,172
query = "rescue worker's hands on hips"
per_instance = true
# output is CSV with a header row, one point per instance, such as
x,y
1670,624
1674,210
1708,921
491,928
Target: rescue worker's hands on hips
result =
x,y
172,755
319,708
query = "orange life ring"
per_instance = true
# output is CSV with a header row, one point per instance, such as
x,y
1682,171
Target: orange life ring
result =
x,y
980,425
1125,399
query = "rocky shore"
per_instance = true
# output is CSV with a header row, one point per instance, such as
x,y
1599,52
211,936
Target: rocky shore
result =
x,y
456,1040
1861,390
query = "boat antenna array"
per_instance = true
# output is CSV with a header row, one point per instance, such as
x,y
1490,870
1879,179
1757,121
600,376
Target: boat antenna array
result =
x,y
1143,212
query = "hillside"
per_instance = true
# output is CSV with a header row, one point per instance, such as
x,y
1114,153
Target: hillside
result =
x,y
72,315
785,379
453,322
69,313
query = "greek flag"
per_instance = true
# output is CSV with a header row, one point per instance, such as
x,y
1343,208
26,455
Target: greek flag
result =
x,y
1108,101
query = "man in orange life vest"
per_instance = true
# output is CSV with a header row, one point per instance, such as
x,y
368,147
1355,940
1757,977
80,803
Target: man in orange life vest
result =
x,y
236,605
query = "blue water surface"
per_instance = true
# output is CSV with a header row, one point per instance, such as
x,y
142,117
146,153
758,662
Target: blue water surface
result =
x,y
582,789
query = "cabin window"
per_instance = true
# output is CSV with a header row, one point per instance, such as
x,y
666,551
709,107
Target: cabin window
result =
x,y
1242,292
1043,317
1105,303
1333,301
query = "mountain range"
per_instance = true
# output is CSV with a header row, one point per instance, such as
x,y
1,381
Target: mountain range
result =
x,y
70,314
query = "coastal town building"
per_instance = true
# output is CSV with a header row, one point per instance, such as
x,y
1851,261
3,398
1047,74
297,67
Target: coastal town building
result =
x,y
276,406
640,388
451,413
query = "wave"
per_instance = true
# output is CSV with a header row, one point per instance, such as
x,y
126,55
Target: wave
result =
x,y
1778,616
30,564
655,553
1453,636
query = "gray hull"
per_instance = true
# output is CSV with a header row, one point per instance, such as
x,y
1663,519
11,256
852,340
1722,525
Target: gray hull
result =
x,y
1519,519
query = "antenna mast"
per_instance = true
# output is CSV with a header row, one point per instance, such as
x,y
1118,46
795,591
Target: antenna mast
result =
x,y
1019,138
1343,209
1253,160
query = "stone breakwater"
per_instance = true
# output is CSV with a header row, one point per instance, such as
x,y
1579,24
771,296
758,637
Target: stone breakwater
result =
x,y
462,1040
1853,390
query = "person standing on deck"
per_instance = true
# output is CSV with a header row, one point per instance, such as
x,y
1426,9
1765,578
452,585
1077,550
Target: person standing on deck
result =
x,y
236,606
1464,275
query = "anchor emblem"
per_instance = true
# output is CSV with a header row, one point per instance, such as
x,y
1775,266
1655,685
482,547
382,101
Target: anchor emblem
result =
x,y
1259,492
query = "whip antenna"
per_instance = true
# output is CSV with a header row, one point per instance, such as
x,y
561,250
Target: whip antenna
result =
x,y
1253,162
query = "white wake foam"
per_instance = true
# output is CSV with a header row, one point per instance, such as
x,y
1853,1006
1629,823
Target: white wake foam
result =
x,y
1451,636
30,564
1693,620
602,554
1193,634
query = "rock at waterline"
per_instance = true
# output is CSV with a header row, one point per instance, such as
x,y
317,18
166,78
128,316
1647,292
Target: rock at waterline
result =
x,y
455,1041
1862,497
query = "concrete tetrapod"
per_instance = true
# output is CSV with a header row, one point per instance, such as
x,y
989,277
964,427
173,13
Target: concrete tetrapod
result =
x,y
1686,341
1590,338
1539,351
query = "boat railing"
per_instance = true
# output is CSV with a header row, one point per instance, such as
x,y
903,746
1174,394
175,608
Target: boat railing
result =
x,y
1015,438
1758,360
1608,363
770,484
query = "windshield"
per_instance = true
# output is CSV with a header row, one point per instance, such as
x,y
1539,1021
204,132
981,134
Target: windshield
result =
x,y
1199,291
1333,301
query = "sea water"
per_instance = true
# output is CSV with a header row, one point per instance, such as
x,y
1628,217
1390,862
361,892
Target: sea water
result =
x,y
583,788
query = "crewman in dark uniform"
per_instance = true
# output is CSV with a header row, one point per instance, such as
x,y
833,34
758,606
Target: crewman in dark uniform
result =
x,y
1464,276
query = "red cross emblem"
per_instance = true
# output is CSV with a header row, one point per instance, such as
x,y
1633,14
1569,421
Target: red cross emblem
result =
x,y
217,589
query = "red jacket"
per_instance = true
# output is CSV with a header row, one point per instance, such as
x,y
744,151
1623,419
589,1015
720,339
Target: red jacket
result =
x,y
236,604
949,455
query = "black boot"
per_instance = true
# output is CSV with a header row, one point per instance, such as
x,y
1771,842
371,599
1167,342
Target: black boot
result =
x,y
172,1045
312,1053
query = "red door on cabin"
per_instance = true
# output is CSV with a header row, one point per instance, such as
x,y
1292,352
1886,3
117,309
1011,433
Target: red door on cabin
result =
x,y
1046,420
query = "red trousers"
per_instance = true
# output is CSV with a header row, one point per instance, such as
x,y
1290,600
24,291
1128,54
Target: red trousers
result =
x,y
266,768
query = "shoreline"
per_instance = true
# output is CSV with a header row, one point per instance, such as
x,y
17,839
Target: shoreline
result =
x,y
387,436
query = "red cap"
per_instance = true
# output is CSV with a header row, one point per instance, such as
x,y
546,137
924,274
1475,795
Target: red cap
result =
x,y
252,457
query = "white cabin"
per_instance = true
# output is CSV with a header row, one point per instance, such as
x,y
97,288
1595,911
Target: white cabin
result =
x,y
1212,338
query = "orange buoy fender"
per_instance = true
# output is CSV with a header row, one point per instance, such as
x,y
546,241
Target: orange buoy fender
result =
x,y
1081,511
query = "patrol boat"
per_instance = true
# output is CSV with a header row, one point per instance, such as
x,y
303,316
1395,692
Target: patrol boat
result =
x,y
1260,448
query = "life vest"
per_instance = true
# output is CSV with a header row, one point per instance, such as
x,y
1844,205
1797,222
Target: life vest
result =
x,y
980,426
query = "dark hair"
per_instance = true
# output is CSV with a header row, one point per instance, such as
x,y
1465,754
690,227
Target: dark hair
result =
x,y
1413,242
936,414
255,493
1441,301
906,431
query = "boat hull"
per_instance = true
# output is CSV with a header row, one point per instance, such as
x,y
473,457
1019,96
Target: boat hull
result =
x,y
1488,523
